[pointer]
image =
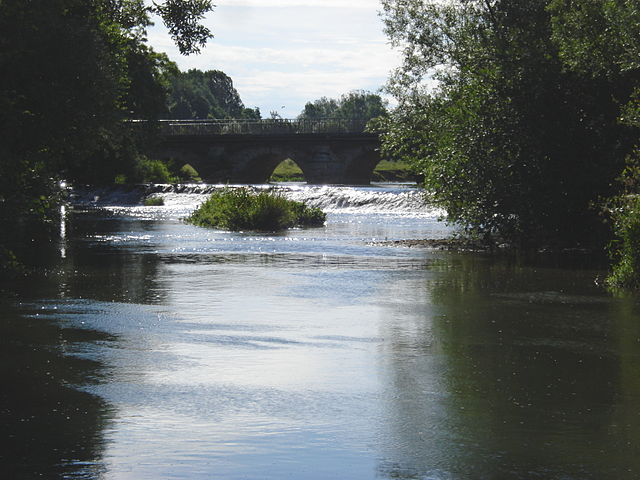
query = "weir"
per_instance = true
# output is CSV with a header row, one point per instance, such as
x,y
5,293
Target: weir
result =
x,y
328,151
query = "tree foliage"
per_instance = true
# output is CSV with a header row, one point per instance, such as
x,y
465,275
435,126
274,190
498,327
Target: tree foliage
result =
x,y
514,141
210,94
625,248
601,39
72,70
353,105
182,18
597,37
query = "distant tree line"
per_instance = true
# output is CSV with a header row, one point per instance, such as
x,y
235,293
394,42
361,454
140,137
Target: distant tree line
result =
x,y
210,94
357,104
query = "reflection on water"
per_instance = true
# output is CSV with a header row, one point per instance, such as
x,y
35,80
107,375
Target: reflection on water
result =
x,y
154,349
50,428
512,372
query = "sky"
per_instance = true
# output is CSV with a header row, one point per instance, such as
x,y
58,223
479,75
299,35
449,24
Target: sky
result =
x,y
282,54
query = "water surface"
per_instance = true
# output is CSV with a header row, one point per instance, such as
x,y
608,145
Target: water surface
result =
x,y
153,349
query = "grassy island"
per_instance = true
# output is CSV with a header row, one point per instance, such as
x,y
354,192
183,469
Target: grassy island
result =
x,y
241,209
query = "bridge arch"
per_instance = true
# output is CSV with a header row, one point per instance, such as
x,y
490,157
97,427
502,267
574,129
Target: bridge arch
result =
x,y
251,154
288,170
258,166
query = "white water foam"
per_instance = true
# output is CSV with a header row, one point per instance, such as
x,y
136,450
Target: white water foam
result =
x,y
399,201
180,200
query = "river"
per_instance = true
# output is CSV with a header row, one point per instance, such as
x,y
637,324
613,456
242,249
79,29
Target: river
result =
x,y
153,349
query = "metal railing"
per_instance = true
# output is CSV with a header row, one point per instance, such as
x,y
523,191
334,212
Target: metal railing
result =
x,y
262,127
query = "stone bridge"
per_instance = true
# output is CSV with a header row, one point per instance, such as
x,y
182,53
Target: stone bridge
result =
x,y
328,151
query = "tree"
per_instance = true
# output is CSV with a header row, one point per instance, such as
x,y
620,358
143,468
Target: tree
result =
x,y
511,143
322,108
601,39
360,105
597,37
182,18
72,70
210,94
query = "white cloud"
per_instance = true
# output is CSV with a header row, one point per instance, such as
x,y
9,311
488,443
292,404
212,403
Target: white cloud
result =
x,y
298,52
372,59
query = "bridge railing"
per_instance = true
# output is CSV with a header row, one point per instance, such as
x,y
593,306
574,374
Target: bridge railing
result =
x,y
262,127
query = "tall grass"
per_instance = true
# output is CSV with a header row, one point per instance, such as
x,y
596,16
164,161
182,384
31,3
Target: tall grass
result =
x,y
240,209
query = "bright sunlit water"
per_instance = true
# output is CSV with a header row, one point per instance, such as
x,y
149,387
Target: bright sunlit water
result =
x,y
153,349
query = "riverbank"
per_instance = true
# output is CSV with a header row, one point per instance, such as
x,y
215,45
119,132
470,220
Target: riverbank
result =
x,y
451,244
385,171
460,244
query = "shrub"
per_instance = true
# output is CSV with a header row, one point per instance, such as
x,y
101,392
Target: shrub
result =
x,y
307,216
121,179
153,202
189,174
155,171
625,250
240,209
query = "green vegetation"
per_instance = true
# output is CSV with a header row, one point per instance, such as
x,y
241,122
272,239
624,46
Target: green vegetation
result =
x,y
72,71
153,201
625,251
189,174
158,171
521,139
241,209
210,94
287,171
155,171
354,105
387,171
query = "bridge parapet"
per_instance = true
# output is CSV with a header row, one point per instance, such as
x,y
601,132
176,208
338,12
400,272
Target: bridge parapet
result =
x,y
262,127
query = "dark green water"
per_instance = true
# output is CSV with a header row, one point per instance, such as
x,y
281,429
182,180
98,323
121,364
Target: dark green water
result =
x,y
152,349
